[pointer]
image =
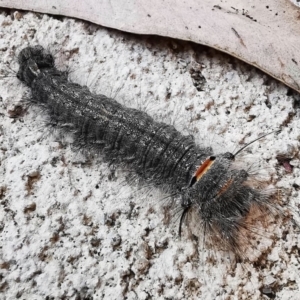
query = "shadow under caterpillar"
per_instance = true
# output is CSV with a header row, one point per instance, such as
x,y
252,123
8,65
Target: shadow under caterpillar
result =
x,y
222,196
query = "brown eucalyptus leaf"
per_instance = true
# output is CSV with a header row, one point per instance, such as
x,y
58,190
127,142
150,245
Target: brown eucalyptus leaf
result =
x,y
265,34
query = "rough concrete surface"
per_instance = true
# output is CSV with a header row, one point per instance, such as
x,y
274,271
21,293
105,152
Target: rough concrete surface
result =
x,y
73,227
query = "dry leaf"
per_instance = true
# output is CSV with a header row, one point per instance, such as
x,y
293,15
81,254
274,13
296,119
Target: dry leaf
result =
x,y
262,33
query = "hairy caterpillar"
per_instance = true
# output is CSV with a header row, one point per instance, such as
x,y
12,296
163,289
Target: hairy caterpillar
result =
x,y
209,185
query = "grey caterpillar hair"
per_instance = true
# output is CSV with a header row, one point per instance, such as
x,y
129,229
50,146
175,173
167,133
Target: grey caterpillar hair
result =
x,y
222,196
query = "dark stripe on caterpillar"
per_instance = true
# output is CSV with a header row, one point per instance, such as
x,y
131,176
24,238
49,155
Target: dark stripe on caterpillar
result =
x,y
200,181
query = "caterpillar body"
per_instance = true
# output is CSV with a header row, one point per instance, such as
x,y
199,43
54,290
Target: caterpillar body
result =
x,y
221,195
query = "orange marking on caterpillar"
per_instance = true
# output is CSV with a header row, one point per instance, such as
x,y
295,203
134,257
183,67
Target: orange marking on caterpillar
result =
x,y
204,167
225,187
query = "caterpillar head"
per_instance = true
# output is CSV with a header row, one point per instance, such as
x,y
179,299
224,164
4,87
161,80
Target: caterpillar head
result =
x,y
222,197
31,60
